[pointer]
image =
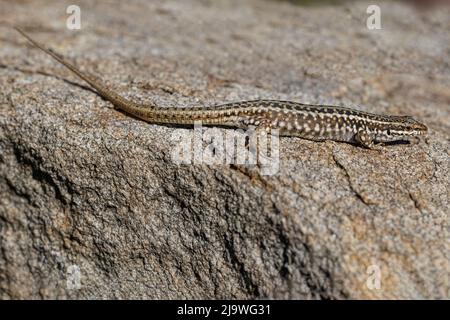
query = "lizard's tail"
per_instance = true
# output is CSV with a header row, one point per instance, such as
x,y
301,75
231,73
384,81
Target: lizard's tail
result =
x,y
119,101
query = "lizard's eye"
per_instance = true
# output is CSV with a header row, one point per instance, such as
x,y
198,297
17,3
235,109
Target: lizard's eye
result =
x,y
388,132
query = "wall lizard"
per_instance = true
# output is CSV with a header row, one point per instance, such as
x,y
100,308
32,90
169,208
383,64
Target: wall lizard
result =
x,y
313,122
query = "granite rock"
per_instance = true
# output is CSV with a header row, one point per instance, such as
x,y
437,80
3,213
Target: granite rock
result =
x,y
93,204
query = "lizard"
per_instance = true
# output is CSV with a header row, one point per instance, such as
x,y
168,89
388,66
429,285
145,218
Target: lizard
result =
x,y
294,119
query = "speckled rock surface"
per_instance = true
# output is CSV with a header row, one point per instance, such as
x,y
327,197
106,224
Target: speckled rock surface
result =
x,y
93,206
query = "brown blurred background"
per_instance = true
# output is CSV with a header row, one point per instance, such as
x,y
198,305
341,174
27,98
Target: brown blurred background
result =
x,y
417,3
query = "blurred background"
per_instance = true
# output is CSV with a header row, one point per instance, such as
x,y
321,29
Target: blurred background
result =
x,y
419,3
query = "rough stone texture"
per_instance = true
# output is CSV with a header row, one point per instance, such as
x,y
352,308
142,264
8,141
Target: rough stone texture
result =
x,y
88,191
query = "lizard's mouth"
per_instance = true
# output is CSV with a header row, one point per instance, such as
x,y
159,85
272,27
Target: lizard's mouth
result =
x,y
416,132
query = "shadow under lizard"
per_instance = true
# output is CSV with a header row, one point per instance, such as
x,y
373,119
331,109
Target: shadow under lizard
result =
x,y
313,122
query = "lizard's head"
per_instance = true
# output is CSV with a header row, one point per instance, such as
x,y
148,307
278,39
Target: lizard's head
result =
x,y
401,128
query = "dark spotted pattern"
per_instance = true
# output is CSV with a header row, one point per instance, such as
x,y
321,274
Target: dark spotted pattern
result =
x,y
315,122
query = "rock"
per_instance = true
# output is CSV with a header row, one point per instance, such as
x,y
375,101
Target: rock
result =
x,y
93,204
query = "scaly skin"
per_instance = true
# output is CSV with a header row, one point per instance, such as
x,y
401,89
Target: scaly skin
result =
x,y
314,122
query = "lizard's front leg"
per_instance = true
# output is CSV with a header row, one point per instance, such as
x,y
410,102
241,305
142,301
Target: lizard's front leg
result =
x,y
364,139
